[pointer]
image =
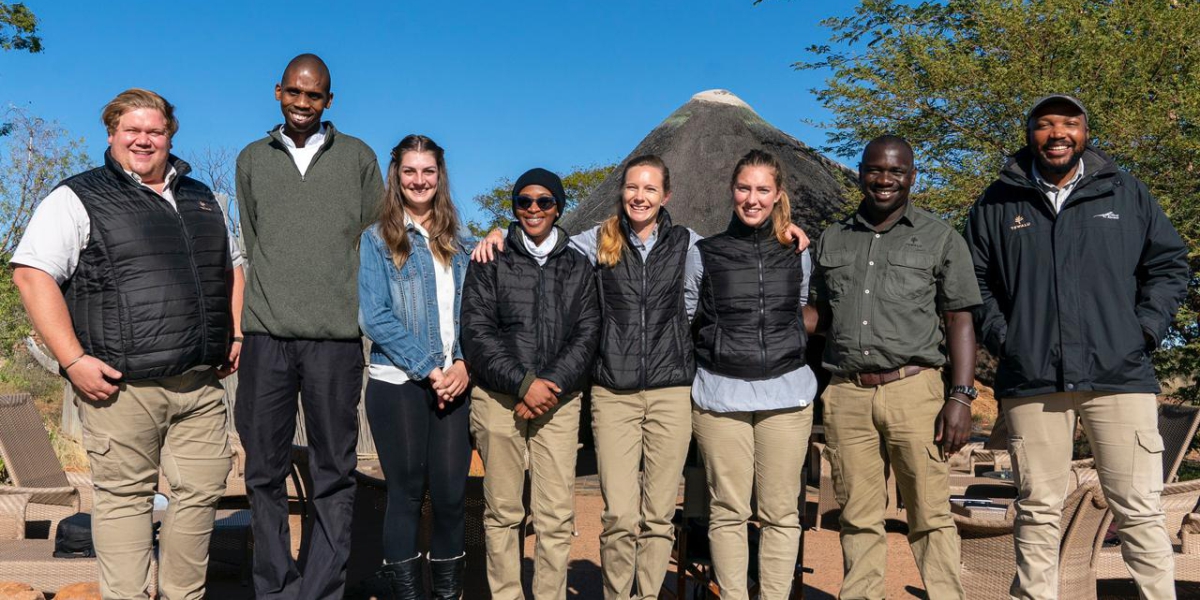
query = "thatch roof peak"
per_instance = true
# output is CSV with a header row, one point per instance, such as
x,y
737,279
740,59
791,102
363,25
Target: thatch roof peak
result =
x,y
701,142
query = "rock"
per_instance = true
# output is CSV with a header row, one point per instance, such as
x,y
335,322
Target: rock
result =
x,y
18,591
79,591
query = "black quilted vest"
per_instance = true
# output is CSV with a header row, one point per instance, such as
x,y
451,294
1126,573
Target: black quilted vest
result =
x,y
150,296
749,323
646,342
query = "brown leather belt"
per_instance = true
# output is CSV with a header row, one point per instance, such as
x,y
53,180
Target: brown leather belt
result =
x,y
875,378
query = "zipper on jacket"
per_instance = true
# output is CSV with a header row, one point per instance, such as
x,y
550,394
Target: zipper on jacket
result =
x,y
541,289
762,306
187,240
644,341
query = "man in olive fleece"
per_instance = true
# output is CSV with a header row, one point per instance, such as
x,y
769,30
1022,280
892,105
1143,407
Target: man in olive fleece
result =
x,y
306,192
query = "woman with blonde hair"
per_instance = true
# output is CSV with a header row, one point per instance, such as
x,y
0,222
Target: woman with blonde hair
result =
x,y
412,265
752,390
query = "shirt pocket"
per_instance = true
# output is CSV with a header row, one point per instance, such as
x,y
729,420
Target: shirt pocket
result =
x,y
838,271
909,275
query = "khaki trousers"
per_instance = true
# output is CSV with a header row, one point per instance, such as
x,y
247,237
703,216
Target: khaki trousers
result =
x,y
549,445
760,452
866,427
646,431
1123,432
125,437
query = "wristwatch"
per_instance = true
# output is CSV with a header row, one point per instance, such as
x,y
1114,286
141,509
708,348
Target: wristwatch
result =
x,y
966,390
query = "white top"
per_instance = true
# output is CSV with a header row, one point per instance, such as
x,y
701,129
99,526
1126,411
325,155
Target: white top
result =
x,y
443,277
541,251
60,229
1055,195
303,156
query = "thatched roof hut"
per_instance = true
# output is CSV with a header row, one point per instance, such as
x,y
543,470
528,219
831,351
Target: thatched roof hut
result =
x,y
701,142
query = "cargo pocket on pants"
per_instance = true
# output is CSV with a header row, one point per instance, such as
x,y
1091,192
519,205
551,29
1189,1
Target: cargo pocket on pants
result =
x,y
1016,454
834,458
97,447
1147,463
935,490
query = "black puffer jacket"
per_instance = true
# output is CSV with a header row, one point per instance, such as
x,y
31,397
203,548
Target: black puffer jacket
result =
x,y
646,342
1068,298
749,322
521,321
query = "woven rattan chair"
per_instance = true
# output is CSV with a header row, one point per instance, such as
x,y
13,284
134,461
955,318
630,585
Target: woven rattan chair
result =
x,y
989,558
1183,525
34,468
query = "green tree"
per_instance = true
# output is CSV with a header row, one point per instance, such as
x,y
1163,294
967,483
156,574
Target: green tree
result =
x,y
18,28
496,203
956,77
34,158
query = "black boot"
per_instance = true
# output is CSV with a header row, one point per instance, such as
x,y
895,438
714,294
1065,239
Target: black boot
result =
x,y
404,579
446,576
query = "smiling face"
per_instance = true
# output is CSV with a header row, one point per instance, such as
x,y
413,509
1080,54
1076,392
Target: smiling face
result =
x,y
303,96
1057,136
535,221
141,143
885,176
418,180
755,194
642,195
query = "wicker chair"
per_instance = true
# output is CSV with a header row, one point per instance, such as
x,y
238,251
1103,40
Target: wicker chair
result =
x,y
1183,525
35,469
989,558
32,562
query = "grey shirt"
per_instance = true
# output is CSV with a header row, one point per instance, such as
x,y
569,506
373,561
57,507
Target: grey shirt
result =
x,y
888,288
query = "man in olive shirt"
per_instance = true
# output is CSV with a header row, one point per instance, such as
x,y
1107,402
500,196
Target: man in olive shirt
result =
x,y
886,279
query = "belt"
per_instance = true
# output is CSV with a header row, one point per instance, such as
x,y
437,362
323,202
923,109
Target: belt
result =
x,y
875,378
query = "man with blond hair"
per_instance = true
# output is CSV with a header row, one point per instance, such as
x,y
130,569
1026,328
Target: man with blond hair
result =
x,y
130,276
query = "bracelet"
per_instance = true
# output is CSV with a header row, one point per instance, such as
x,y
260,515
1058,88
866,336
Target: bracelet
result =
x,y
72,363
960,401
239,339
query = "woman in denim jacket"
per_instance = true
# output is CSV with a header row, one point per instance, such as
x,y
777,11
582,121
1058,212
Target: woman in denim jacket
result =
x,y
412,264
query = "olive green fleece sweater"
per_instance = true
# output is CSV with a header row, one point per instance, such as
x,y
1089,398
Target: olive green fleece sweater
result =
x,y
301,235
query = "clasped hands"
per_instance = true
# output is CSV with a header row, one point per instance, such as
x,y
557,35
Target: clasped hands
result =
x,y
541,397
449,384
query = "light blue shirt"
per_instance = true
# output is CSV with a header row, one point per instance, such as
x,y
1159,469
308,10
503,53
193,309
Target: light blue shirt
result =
x,y
794,389
587,242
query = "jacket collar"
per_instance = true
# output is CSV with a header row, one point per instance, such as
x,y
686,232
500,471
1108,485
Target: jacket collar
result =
x,y
181,168
516,241
1018,171
738,229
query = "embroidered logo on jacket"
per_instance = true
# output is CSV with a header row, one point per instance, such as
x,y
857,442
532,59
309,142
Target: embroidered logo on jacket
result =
x,y
1108,215
1020,223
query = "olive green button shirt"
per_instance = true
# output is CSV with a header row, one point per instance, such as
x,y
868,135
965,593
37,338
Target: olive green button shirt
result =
x,y
887,290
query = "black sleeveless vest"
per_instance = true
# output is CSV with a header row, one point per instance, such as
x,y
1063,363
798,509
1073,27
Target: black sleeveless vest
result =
x,y
150,296
749,323
645,342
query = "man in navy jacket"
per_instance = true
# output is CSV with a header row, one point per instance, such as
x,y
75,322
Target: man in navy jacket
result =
x,y
1080,274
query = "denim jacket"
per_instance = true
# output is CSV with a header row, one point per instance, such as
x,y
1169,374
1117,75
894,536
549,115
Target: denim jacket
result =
x,y
398,308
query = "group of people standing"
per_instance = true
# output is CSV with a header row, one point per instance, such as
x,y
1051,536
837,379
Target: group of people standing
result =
x,y
1069,271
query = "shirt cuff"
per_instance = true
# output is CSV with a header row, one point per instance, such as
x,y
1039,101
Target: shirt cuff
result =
x,y
33,262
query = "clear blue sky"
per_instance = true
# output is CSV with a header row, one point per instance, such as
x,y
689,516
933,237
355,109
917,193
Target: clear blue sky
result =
x,y
503,86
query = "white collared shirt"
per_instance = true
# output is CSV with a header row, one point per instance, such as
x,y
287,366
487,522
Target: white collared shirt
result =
x,y
60,229
303,156
1055,195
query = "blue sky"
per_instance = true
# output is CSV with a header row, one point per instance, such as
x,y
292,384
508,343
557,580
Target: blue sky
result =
x,y
503,86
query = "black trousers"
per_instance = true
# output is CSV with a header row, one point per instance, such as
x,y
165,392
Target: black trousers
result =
x,y
327,374
418,445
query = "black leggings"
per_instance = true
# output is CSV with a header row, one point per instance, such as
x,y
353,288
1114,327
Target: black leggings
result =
x,y
416,441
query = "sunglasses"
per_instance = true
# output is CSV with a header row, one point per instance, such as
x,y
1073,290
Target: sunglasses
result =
x,y
544,202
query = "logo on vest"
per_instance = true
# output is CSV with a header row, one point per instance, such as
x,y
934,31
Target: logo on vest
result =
x,y
1020,223
1110,215
209,206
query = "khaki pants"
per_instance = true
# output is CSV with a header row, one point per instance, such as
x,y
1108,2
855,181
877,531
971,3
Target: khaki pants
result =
x,y
761,452
645,431
125,437
549,445
866,427
1123,432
